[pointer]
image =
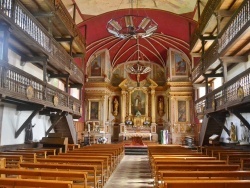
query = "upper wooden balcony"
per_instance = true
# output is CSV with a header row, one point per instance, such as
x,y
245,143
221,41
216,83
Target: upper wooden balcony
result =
x,y
234,94
230,45
30,38
53,14
25,90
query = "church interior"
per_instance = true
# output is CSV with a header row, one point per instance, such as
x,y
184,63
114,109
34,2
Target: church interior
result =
x,y
158,87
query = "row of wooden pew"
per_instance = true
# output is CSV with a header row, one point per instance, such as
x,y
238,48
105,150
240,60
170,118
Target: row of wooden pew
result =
x,y
174,166
86,167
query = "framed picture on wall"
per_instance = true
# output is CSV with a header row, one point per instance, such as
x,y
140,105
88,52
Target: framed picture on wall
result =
x,y
182,113
94,110
96,66
179,65
138,101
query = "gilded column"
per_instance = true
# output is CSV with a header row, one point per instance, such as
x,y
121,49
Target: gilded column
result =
x,y
153,105
123,106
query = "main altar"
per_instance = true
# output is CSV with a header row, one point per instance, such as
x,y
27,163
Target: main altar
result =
x,y
123,102
138,117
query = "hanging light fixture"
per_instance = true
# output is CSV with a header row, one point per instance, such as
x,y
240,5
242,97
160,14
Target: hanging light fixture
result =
x,y
138,68
132,26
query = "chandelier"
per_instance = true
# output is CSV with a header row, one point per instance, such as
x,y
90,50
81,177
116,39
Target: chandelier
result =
x,y
132,26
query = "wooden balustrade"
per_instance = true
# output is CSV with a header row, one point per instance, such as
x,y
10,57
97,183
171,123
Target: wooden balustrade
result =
x,y
29,25
14,81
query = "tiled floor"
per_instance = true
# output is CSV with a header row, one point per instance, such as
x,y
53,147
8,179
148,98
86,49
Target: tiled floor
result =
x,y
132,172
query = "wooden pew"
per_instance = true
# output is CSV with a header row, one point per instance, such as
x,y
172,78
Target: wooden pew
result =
x,y
27,157
31,183
75,176
12,161
49,151
235,158
192,167
198,175
2,162
90,169
207,183
39,153
97,162
245,164
107,166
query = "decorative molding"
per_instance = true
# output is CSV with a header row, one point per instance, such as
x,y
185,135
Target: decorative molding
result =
x,y
30,92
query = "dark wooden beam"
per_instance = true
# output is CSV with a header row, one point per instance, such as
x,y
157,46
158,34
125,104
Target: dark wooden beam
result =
x,y
206,38
213,75
27,122
220,123
58,75
81,55
64,39
241,118
79,86
28,107
234,59
54,124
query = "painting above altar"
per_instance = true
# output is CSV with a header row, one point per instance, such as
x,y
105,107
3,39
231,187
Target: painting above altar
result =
x,y
138,101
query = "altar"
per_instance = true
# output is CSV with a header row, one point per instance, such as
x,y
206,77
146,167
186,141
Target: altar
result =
x,y
127,136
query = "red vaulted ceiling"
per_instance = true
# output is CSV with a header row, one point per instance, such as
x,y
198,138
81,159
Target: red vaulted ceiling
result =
x,y
173,31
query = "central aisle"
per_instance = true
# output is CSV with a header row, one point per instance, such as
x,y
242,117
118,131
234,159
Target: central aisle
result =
x,y
132,172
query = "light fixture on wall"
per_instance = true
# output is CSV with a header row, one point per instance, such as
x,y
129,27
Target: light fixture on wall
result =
x,y
132,26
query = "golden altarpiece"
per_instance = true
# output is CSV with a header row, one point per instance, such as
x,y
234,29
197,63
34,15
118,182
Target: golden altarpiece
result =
x,y
120,105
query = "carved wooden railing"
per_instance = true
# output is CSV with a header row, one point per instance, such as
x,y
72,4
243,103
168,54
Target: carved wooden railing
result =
x,y
237,25
204,19
63,13
197,71
231,93
14,83
25,21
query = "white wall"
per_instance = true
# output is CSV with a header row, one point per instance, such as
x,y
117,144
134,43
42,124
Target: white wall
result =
x,y
240,67
13,120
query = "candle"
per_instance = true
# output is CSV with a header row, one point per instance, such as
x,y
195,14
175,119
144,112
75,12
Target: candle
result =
x,y
88,127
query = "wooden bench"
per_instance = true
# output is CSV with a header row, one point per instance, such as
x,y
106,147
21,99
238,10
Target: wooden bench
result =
x,y
27,157
12,161
13,182
39,153
49,151
97,162
90,169
106,164
164,176
74,176
245,164
207,184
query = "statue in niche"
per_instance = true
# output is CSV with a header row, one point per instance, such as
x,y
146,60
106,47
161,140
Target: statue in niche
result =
x,y
116,106
29,133
233,133
244,134
161,106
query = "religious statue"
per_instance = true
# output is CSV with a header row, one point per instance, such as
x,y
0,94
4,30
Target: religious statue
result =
x,y
233,134
244,134
161,106
116,105
29,133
